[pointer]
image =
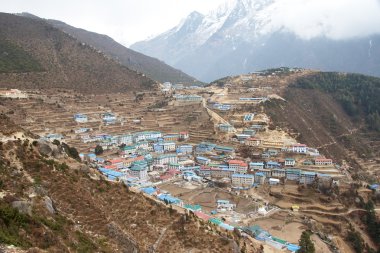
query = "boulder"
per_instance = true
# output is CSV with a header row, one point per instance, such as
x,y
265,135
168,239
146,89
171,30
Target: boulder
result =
x,y
23,206
45,149
49,205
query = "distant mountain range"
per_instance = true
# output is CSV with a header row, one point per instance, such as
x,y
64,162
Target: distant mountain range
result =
x,y
240,36
36,55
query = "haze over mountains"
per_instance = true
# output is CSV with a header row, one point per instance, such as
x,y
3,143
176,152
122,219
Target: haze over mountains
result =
x,y
246,35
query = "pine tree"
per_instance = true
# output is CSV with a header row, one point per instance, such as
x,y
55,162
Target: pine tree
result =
x,y
307,246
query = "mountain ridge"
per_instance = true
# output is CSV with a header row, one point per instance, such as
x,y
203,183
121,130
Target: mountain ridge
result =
x,y
151,67
242,37
65,62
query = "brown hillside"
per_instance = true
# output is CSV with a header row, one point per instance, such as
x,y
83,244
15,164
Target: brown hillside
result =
x,y
151,67
320,121
70,209
67,62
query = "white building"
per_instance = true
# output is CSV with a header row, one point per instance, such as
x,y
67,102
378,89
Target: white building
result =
x,y
13,93
139,172
256,165
242,180
165,159
290,162
168,146
147,135
299,148
80,118
274,181
224,206
125,139
109,117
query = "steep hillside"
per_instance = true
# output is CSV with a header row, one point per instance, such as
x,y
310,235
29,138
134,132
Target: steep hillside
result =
x,y
50,58
243,36
15,59
59,205
337,113
151,67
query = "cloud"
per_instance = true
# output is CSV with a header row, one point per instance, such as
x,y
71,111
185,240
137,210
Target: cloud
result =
x,y
335,19
128,21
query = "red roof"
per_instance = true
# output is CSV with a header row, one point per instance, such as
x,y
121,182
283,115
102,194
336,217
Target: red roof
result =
x,y
201,215
235,162
174,171
113,161
166,176
139,158
253,139
111,167
183,132
299,145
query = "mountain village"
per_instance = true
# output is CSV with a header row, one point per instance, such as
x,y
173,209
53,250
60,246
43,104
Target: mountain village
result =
x,y
207,174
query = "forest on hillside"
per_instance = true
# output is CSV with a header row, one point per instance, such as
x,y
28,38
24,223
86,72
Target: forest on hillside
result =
x,y
358,94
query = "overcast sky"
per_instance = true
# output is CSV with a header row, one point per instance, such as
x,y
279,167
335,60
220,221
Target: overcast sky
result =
x,y
128,21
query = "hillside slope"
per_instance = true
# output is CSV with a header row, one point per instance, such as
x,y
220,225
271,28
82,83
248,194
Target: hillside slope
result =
x,y
59,205
337,113
60,61
151,67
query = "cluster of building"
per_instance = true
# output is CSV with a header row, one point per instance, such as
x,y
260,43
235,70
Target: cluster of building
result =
x,y
187,98
168,86
107,118
222,107
243,175
262,235
256,100
13,93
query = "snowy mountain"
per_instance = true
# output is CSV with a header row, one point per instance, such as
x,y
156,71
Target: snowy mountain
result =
x,y
247,35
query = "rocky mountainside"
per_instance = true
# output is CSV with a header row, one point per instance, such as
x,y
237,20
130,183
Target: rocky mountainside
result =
x,y
244,36
38,55
51,203
151,67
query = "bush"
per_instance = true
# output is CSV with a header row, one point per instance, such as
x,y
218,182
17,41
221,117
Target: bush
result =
x,y
11,220
98,150
307,246
356,241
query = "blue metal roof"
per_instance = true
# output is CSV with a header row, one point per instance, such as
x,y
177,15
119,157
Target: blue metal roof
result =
x,y
256,163
109,172
168,198
148,190
243,175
